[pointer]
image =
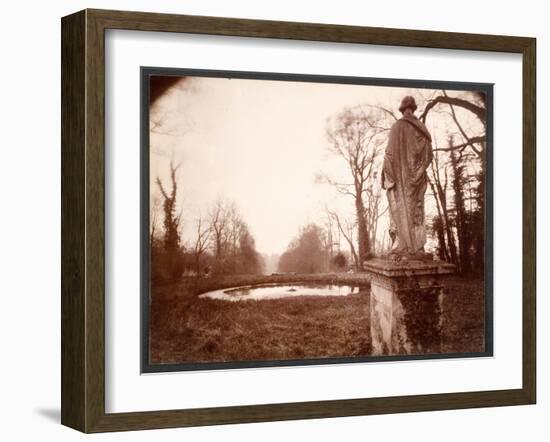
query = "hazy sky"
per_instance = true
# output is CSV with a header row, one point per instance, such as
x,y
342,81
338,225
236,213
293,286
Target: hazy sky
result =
x,y
259,143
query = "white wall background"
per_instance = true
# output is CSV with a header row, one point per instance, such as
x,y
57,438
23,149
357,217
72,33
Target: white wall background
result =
x,y
30,221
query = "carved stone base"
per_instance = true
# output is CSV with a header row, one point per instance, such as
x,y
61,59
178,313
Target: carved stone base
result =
x,y
405,305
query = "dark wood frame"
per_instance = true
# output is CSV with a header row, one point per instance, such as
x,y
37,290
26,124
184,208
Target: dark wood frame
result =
x,y
83,217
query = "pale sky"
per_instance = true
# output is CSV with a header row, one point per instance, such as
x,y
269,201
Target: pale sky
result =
x,y
259,143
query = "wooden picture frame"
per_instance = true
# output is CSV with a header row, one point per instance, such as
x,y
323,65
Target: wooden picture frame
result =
x,y
83,220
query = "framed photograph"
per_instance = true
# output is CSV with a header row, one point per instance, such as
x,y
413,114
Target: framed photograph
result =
x,y
269,220
211,247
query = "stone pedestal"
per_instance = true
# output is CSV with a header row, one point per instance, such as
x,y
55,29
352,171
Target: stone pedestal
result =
x,y
405,305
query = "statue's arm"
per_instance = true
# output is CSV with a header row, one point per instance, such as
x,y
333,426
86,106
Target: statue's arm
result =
x,y
428,152
429,155
388,176
424,163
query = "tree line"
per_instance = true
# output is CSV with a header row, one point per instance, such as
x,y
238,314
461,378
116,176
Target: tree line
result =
x,y
357,136
457,178
311,251
222,243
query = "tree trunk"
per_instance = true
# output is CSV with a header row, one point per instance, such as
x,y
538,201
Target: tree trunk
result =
x,y
446,222
362,231
460,214
439,227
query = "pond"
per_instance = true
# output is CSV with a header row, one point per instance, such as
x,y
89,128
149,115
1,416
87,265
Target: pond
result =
x,y
277,291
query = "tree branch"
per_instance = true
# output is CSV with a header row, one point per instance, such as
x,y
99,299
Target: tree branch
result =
x,y
480,139
478,111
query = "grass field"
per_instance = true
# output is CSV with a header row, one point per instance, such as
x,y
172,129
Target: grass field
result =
x,y
186,328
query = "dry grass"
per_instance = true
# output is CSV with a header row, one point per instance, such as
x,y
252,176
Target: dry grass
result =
x,y
464,316
186,328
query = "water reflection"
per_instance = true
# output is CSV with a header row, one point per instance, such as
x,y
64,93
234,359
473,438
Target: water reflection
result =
x,y
276,291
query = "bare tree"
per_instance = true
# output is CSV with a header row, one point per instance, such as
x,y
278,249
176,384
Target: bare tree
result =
x,y
460,222
218,221
373,202
153,217
171,223
202,242
307,252
466,160
347,230
330,240
476,106
357,136
439,182
478,110
248,260
233,245
171,220
235,228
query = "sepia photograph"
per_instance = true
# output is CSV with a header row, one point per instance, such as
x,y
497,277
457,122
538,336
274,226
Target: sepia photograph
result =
x,y
288,218
297,219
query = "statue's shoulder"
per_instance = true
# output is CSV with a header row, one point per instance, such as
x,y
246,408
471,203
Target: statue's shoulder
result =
x,y
399,124
400,127
417,124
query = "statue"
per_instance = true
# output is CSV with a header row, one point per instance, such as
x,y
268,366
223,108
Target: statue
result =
x,y
408,155
407,287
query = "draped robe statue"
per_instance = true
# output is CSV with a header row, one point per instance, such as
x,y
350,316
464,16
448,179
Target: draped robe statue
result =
x,y
408,155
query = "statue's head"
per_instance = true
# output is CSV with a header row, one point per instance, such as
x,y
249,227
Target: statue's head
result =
x,y
407,103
